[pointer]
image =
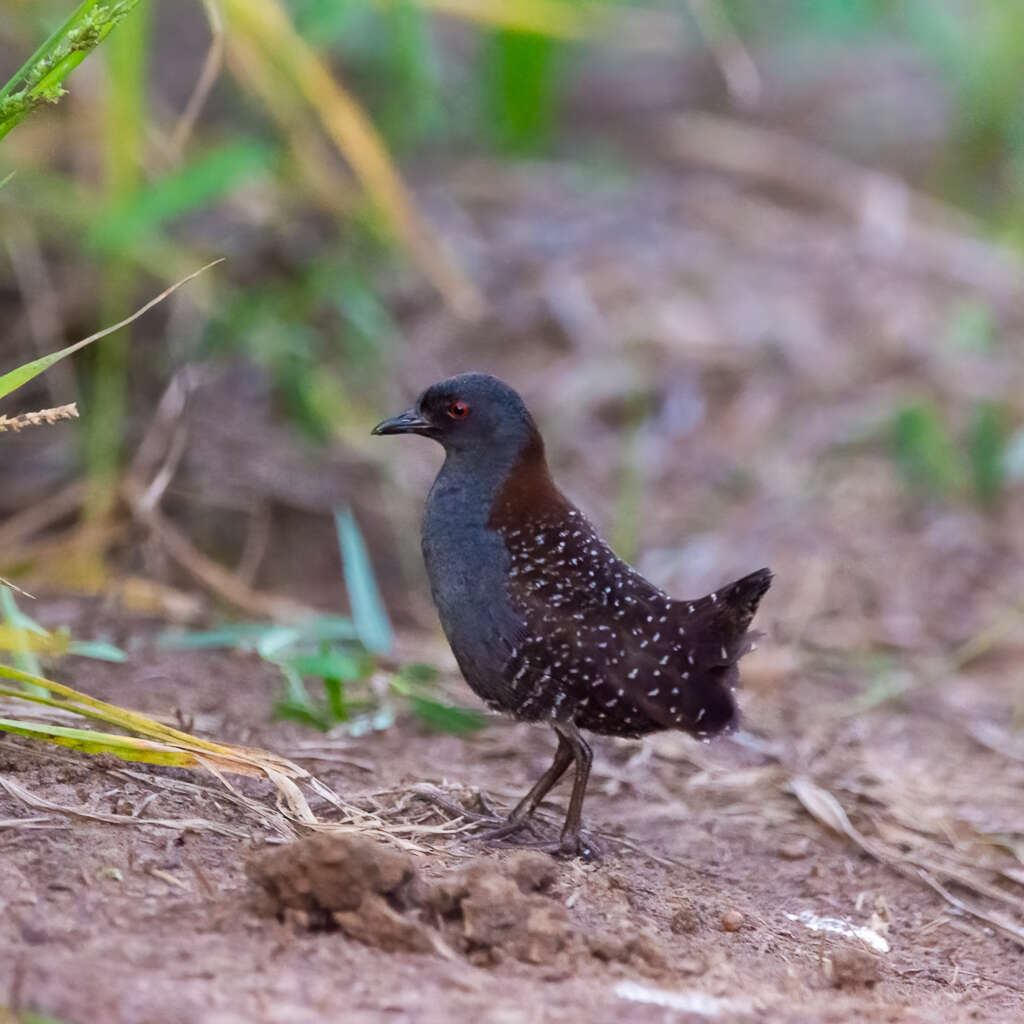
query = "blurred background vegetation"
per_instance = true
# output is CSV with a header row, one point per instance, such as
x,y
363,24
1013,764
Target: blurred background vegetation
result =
x,y
755,264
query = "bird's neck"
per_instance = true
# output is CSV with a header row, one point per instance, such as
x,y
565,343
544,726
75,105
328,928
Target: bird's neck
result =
x,y
498,489
527,493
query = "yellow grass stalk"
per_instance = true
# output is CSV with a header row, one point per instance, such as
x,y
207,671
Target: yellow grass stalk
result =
x,y
148,741
275,55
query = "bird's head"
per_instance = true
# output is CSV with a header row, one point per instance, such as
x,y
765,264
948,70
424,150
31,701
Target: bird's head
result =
x,y
470,414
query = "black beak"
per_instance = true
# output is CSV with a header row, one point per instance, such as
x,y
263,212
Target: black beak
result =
x,y
408,422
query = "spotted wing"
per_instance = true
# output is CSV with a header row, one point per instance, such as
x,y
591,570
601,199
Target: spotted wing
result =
x,y
603,644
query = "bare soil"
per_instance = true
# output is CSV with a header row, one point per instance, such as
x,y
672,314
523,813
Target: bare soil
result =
x,y
705,913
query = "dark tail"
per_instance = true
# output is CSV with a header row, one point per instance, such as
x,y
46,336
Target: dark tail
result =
x,y
715,635
742,597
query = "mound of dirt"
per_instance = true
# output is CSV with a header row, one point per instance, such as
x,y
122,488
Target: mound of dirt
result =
x,y
365,889
486,911
325,874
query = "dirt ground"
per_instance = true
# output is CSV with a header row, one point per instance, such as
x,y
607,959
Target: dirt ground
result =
x,y
707,913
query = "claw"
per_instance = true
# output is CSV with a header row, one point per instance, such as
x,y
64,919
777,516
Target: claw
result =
x,y
568,847
508,827
579,845
457,810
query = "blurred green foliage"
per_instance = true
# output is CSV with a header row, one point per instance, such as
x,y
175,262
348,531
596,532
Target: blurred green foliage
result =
x,y
934,461
986,450
24,638
924,450
343,655
315,318
391,58
520,90
977,47
124,126
304,301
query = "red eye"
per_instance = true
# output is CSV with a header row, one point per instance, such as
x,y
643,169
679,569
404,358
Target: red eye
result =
x,y
458,410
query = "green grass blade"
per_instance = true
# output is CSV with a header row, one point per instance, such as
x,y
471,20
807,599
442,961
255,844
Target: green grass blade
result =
x,y
50,702
520,84
14,379
97,650
128,748
258,635
330,665
440,717
47,47
39,79
19,626
371,620
130,721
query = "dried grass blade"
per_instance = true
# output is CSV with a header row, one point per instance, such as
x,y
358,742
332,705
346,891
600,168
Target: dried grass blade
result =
x,y
997,921
135,722
26,796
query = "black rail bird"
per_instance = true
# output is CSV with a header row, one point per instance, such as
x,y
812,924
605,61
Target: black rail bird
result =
x,y
545,622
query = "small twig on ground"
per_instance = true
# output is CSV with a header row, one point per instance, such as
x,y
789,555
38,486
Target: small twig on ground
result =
x,y
26,796
823,806
1008,928
988,638
220,580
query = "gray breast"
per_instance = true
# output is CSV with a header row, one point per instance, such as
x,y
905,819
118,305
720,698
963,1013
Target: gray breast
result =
x,y
466,564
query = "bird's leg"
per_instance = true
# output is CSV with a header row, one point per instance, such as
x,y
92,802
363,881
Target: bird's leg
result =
x,y
521,813
563,758
572,843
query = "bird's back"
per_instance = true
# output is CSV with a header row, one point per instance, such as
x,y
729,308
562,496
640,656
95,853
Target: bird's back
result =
x,y
605,646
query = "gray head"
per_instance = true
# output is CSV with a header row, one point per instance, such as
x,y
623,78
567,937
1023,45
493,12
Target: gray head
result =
x,y
471,414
